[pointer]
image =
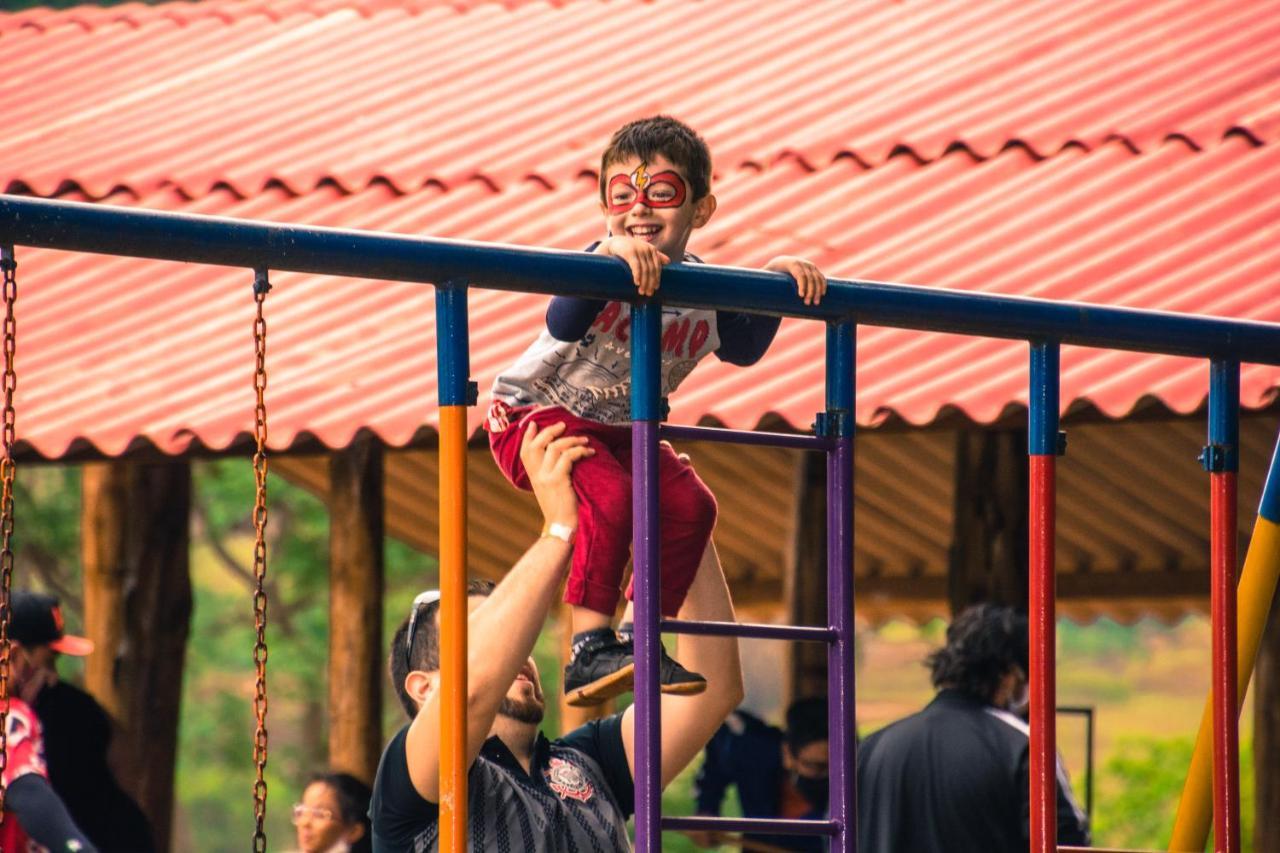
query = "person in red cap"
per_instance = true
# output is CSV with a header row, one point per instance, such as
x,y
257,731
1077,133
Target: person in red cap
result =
x,y
77,730
33,810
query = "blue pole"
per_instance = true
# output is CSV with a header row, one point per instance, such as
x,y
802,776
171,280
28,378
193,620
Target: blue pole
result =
x,y
646,352
841,707
453,358
78,227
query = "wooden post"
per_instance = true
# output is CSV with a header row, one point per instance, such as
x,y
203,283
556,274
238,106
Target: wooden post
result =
x,y
989,540
355,608
1266,736
805,583
137,584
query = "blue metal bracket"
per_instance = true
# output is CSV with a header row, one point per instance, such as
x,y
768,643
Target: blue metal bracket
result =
x,y
836,423
261,282
453,355
1222,451
1213,458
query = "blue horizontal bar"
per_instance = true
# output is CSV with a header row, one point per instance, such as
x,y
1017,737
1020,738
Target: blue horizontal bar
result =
x,y
107,229
754,826
744,436
758,630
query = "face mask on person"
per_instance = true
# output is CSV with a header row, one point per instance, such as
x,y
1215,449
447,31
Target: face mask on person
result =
x,y
813,789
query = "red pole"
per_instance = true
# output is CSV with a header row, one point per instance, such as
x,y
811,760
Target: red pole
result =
x,y
1226,735
1044,802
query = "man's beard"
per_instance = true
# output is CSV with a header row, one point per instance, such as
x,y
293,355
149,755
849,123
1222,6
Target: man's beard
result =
x,y
523,711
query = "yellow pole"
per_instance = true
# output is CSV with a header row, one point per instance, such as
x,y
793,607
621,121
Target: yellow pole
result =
x,y
1253,602
453,629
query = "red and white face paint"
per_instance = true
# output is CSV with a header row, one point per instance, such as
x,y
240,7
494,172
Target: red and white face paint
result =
x,y
665,189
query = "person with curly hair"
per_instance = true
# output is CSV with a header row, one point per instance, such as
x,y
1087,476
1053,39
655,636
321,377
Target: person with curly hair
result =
x,y
954,777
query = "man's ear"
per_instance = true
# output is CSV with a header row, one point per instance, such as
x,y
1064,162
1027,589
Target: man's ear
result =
x,y
703,209
419,685
355,833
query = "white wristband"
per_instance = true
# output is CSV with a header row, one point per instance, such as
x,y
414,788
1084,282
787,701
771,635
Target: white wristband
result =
x,y
563,532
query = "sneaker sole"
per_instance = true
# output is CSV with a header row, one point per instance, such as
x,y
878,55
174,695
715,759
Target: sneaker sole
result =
x,y
615,684
603,689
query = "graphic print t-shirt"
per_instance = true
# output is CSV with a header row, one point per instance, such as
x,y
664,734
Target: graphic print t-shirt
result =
x,y
591,377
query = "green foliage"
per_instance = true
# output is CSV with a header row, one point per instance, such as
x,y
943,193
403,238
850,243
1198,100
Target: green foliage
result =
x,y
1139,790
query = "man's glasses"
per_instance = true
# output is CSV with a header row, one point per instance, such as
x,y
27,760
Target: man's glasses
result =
x,y
301,813
431,596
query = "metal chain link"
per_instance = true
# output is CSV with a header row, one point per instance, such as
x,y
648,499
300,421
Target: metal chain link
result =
x,y
260,288
10,384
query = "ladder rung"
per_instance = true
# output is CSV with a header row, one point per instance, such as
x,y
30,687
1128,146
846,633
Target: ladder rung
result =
x,y
749,629
746,436
753,826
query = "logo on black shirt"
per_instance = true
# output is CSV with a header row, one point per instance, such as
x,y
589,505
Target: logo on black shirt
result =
x,y
568,781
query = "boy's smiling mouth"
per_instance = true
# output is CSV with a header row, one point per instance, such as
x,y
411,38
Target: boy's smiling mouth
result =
x,y
644,232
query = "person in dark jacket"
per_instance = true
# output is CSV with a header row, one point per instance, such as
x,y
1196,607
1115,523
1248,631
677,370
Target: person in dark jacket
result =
x,y
778,773
77,731
954,777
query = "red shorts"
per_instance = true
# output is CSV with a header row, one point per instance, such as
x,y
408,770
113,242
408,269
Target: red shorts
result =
x,y
686,509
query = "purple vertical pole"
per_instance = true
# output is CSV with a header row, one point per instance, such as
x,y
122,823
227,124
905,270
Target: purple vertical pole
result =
x,y
841,707
646,323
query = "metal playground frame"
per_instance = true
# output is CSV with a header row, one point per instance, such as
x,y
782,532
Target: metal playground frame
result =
x,y
454,266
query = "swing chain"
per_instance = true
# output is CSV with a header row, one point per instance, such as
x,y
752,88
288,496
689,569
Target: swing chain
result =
x,y
261,286
8,266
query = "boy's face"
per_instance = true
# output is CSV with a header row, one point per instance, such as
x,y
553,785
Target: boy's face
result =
x,y
651,201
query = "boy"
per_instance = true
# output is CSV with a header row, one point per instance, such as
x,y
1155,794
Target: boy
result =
x,y
655,187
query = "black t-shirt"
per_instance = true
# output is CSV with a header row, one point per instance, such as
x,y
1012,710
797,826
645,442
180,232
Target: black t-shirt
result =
x,y
577,797
77,732
953,779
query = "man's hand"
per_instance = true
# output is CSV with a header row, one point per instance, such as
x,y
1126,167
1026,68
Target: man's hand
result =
x,y
548,458
645,260
811,284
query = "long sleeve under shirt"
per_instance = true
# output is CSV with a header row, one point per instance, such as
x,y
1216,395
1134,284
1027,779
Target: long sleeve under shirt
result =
x,y
744,338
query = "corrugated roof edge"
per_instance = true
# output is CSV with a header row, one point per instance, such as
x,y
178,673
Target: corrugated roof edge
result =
x,y
183,12
69,184
1080,411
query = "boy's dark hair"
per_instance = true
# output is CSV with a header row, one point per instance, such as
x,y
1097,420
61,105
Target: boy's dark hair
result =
x,y
426,644
353,804
648,137
983,643
806,723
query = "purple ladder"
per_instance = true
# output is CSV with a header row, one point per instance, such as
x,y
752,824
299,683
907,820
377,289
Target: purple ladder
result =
x,y
834,436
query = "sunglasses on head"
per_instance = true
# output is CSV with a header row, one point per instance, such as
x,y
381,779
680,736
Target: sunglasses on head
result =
x,y
431,596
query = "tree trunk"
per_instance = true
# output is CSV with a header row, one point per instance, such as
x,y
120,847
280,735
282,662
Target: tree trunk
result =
x,y
989,542
805,584
1266,736
135,545
355,608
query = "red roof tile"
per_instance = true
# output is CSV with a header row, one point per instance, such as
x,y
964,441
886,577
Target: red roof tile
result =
x,y
117,350
300,92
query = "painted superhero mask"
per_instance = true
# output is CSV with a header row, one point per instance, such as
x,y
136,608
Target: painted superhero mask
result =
x,y
665,189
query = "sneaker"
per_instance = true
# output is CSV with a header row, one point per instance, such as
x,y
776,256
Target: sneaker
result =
x,y
673,678
601,666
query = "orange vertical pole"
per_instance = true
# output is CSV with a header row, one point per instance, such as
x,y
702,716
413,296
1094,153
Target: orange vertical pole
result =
x,y
453,628
456,392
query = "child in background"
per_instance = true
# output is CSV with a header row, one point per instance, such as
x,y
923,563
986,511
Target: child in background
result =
x,y
655,187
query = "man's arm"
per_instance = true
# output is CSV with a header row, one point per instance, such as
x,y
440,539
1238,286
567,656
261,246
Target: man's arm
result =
x,y
688,722
43,815
502,631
